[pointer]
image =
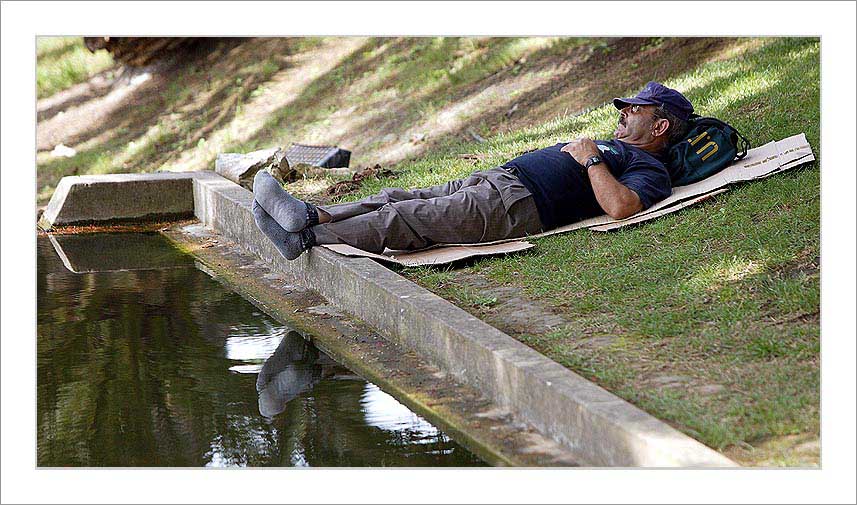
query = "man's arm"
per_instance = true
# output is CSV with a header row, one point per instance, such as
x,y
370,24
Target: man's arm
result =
x,y
614,197
617,200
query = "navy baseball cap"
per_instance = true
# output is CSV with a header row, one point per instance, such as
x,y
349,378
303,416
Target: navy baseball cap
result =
x,y
656,93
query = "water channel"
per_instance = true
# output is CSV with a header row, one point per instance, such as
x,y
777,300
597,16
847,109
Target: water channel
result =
x,y
145,360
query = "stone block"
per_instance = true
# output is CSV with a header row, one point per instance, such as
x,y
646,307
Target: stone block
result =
x,y
241,168
93,199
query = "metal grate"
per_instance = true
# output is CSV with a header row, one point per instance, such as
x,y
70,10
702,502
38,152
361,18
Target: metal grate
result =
x,y
319,156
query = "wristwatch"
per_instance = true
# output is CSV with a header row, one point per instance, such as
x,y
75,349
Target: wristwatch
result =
x,y
593,161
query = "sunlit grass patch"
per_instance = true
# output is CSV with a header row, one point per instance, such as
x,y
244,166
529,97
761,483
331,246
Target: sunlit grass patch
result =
x,y
62,62
715,275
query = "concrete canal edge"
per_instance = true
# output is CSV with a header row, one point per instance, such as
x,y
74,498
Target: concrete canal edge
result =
x,y
101,199
595,425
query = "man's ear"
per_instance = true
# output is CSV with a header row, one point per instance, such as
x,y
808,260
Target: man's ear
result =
x,y
660,127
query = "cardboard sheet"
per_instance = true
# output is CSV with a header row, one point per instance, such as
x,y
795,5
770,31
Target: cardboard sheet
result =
x,y
638,218
763,161
436,255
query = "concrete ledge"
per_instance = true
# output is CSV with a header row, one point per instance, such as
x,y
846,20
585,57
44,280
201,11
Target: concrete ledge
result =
x,y
600,428
87,199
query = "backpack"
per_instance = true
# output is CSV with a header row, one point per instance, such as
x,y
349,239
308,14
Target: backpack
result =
x,y
710,146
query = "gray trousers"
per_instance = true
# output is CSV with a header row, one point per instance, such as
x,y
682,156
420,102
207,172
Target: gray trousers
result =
x,y
489,205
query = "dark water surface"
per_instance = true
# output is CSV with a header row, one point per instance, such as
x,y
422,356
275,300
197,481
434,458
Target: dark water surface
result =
x,y
145,360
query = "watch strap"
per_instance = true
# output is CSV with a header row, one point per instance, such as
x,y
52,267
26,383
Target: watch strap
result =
x,y
594,160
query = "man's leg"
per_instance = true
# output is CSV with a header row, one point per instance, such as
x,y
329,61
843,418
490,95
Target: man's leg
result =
x,y
341,211
473,214
294,215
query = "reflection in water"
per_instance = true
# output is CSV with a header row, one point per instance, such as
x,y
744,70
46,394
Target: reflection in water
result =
x,y
292,369
106,252
385,412
165,367
251,350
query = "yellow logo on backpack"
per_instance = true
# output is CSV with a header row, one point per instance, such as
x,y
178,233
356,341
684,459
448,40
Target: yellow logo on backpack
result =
x,y
712,144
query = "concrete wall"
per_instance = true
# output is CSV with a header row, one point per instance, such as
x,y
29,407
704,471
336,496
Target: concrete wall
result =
x,y
86,199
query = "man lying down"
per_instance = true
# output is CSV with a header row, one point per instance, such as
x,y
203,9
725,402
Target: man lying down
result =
x,y
535,192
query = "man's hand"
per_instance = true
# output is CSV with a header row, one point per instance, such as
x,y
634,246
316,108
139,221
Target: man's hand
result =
x,y
581,149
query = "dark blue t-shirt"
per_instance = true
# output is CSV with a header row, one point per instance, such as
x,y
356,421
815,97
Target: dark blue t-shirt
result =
x,y
561,188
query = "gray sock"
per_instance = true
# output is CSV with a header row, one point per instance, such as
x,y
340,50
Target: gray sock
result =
x,y
290,245
292,214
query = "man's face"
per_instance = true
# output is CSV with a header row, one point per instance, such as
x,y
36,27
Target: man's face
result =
x,y
636,123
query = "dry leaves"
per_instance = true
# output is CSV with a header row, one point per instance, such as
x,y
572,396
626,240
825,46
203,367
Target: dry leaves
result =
x,y
349,186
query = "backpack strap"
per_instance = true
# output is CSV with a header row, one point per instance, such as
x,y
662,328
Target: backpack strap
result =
x,y
743,147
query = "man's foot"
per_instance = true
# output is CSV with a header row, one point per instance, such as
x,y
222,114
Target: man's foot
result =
x,y
290,245
292,214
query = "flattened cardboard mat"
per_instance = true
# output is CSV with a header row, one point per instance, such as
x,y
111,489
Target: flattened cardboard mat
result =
x,y
763,161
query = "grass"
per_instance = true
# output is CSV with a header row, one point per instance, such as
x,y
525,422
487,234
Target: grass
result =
x,y
707,318
388,83
63,62
725,293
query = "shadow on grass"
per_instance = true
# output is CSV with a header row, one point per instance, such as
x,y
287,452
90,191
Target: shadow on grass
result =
x,y
77,95
754,113
164,116
419,67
